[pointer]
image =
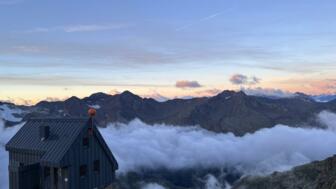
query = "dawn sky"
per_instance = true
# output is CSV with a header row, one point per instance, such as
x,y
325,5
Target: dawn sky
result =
x,y
56,49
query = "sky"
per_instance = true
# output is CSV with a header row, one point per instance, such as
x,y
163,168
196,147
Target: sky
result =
x,y
57,49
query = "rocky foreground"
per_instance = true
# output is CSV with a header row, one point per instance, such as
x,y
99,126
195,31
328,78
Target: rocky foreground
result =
x,y
316,175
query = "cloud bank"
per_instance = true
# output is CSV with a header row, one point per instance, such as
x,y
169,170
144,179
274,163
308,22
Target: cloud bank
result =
x,y
171,147
138,146
268,92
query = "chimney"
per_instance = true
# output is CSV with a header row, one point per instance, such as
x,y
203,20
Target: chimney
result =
x,y
44,132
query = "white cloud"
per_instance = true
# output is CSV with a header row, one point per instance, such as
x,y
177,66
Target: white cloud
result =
x,y
153,186
328,119
212,183
268,92
6,134
7,113
267,150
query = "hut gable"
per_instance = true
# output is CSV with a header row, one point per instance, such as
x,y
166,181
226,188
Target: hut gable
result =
x,y
67,148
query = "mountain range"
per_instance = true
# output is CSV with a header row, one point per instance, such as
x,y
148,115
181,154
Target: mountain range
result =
x,y
228,111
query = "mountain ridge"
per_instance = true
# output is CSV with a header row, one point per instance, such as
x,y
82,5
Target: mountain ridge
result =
x,y
229,111
315,175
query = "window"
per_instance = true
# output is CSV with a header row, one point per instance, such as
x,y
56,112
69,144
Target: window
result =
x,y
96,166
86,141
90,131
82,170
46,171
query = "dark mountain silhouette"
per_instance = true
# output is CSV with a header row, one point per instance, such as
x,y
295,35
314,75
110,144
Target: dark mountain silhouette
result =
x,y
228,111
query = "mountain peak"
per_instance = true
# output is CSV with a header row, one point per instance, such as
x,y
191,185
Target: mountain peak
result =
x,y
97,96
129,95
127,92
73,98
229,93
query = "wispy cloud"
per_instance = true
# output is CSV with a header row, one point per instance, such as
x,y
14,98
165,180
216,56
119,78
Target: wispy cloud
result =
x,y
78,28
209,17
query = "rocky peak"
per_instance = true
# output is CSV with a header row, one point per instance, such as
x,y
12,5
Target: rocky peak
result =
x,y
229,93
97,96
128,96
72,99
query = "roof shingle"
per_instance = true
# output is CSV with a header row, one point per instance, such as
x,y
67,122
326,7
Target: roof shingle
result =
x,y
63,132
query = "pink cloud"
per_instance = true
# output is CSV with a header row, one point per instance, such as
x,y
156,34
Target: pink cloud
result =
x,y
187,84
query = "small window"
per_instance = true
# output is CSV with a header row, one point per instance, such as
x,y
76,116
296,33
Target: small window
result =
x,y
82,170
96,166
90,131
46,171
86,141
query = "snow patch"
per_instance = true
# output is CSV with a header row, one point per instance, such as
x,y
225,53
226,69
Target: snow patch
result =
x,y
7,113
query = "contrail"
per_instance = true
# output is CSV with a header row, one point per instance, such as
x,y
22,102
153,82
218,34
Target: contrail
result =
x,y
200,20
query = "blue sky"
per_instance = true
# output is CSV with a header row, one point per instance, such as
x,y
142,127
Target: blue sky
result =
x,y
62,48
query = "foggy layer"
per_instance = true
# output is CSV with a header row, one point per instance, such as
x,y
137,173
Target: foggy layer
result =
x,y
139,146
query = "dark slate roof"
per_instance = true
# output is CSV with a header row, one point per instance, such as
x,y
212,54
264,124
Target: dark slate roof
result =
x,y
63,132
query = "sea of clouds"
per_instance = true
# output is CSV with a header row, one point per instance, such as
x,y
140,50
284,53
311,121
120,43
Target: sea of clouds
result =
x,y
138,146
